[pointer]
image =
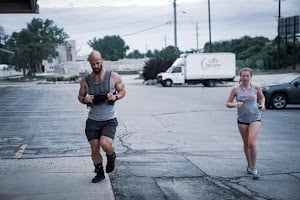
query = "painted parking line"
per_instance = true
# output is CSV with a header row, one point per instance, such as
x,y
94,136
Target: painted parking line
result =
x,y
20,152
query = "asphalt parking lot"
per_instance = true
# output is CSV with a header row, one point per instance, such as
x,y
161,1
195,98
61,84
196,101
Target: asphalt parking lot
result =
x,y
172,143
183,143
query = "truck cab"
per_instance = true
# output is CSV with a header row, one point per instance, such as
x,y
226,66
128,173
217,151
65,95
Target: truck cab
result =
x,y
173,75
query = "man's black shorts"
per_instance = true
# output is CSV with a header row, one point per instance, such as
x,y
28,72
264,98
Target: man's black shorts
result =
x,y
96,129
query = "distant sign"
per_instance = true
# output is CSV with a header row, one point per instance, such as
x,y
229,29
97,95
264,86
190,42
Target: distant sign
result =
x,y
289,25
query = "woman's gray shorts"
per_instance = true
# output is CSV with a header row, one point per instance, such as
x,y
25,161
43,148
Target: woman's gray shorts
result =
x,y
96,129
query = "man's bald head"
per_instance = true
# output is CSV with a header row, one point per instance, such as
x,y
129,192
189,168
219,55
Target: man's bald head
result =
x,y
94,55
96,61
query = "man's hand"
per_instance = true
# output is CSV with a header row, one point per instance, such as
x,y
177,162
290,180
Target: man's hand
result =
x,y
111,97
89,99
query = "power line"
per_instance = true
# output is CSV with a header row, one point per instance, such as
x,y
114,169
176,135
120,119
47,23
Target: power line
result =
x,y
147,29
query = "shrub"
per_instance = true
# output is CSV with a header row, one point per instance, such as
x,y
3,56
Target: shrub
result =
x,y
155,66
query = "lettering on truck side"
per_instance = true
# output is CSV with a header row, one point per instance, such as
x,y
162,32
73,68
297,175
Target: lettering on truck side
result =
x,y
208,63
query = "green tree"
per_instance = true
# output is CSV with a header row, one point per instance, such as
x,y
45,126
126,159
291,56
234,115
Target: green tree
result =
x,y
35,43
135,54
257,52
111,47
169,53
149,54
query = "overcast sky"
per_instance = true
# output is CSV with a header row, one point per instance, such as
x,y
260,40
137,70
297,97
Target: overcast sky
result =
x,y
149,24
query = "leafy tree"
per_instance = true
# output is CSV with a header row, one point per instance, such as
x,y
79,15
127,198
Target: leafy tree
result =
x,y
135,54
111,47
257,52
149,54
169,53
35,43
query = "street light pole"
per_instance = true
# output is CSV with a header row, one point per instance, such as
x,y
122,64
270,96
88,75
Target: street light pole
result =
x,y
197,34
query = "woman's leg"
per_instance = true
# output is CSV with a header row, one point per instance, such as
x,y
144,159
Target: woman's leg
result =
x,y
253,130
243,129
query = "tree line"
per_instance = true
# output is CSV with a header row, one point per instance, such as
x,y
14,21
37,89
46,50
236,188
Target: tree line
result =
x,y
260,52
40,39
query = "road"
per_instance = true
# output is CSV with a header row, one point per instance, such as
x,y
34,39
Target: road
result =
x,y
172,143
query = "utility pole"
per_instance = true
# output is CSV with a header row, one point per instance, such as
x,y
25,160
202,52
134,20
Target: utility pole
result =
x,y
175,25
278,34
209,25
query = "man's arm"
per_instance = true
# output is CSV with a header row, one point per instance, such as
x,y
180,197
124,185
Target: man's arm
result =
x,y
119,86
82,91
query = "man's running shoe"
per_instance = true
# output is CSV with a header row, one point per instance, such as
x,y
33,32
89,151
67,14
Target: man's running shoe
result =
x,y
110,166
98,178
99,173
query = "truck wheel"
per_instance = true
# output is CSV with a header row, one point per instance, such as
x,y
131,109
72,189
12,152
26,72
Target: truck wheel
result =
x,y
210,83
279,101
168,83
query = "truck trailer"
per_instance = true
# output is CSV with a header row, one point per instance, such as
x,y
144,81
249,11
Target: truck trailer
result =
x,y
205,68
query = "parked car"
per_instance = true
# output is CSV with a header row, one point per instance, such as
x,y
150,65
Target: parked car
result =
x,y
286,91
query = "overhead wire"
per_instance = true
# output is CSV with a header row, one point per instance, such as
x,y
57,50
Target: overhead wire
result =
x,y
147,29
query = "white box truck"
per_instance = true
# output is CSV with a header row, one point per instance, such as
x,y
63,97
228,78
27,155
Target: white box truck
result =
x,y
205,68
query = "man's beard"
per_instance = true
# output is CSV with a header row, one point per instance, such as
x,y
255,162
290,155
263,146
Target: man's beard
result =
x,y
97,70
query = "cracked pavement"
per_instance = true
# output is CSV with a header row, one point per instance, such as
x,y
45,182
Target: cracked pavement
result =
x,y
183,143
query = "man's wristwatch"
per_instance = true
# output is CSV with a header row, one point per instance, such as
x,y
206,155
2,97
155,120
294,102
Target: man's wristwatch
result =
x,y
117,97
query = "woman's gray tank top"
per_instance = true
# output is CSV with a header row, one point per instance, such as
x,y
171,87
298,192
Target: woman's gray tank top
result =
x,y
103,111
249,111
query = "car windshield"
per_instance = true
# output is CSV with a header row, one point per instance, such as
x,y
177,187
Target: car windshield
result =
x,y
288,79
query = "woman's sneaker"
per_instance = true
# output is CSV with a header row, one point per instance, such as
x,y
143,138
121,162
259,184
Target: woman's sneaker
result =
x,y
249,170
255,174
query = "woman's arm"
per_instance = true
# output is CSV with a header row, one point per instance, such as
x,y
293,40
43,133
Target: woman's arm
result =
x,y
232,94
260,97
